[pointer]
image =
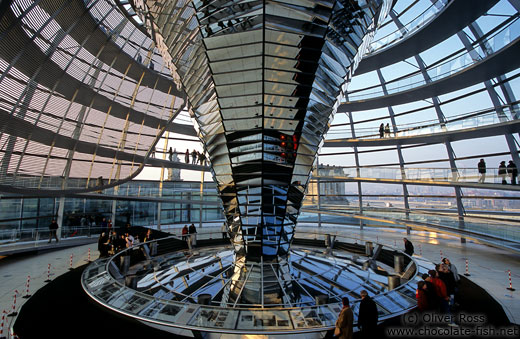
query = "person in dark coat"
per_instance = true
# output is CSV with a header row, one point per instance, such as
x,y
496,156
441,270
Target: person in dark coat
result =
x,y
103,245
502,172
408,247
481,171
367,318
381,130
193,234
512,170
53,227
187,156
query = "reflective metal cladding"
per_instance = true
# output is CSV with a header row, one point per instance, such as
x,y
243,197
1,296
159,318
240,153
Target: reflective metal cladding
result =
x,y
263,78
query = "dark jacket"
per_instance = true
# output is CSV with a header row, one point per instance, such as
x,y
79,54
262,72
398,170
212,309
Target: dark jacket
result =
x,y
502,169
367,319
482,167
53,226
408,248
512,169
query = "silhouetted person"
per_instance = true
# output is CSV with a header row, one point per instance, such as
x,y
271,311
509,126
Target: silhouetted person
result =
x,y
481,171
381,130
367,319
194,157
408,247
170,154
103,245
512,170
193,234
187,156
53,227
387,130
151,65
344,324
502,172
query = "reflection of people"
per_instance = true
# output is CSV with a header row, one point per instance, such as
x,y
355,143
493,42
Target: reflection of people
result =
x,y
52,231
387,130
382,130
187,156
512,171
502,172
344,324
367,319
170,154
481,171
408,247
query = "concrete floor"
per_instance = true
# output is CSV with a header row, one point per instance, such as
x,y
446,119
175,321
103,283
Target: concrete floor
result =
x,y
488,266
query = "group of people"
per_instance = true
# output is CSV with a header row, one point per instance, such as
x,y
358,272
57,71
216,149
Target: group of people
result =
x,y
189,234
504,171
510,171
196,156
113,242
384,131
438,289
367,318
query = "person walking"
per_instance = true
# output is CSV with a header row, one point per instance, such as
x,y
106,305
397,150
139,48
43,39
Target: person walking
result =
x,y
512,171
367,318
481,171
382,130
344,324
53,227
387,130
193,234
408,247
187,156
194,157
502,172
170,154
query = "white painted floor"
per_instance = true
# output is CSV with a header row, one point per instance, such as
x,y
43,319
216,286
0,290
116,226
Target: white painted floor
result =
x,y
488,266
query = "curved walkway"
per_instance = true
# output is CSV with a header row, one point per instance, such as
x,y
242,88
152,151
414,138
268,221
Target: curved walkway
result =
x,y
456,15
432,182
501,62
508,127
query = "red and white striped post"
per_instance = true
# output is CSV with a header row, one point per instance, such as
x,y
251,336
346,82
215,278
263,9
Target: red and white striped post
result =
x,y
89,254
2,325
467,268
13,309
27,295
70,265
440,252
48,273
510,282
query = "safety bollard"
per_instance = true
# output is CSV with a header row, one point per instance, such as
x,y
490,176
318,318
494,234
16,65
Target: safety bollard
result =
x,y
440,252
420,250
70,264
510,282
467,268
13,309
89,254
2,336
27,295
48,273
